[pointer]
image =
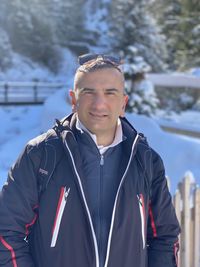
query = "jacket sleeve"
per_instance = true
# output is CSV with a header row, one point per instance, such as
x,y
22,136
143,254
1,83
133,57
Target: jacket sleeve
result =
x,y
18,204
163,227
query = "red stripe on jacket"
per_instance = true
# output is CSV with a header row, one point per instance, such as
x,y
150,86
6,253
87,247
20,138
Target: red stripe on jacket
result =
x,y
153,226
62,191
13,257
30,224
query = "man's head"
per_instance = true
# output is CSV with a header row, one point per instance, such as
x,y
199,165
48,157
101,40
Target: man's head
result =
x,y
98,96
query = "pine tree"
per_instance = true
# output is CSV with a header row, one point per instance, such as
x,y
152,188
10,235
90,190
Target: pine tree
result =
x,y
143,49
180,22
37,29
132,26
142,96
188,56
5,51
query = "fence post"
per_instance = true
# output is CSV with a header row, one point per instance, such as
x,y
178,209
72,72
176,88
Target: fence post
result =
x,y
197,227
177,206
6,92
35,92
186,244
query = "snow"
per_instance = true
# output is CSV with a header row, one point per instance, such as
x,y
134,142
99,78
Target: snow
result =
x,y
179,154
19,124
95,22
195,72
186,120
23,69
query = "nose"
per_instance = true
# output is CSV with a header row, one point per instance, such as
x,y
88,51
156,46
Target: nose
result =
x,y
99,101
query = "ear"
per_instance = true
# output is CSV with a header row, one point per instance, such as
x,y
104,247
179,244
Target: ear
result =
x,y
73,100
122,114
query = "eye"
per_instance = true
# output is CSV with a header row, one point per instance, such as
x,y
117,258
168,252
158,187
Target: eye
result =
x,y
110,93
87,91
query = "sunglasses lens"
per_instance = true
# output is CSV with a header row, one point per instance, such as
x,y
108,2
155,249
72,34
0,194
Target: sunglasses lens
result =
x,y
116,60
86,57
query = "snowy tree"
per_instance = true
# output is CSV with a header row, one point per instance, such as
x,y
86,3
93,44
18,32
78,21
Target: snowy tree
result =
x,y
187,44
167,14
143,50
37,29
179,20
132,26
141,92
30,32
5,51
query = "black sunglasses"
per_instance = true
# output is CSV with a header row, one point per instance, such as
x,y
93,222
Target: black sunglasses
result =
x,y
83,59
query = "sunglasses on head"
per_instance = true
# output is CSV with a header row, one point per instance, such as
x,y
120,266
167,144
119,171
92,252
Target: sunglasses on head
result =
x,y
84,59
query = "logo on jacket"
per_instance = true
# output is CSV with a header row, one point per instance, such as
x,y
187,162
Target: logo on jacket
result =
x,y
42,171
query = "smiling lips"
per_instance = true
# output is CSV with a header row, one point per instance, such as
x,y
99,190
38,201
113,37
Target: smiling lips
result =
x,y
97,115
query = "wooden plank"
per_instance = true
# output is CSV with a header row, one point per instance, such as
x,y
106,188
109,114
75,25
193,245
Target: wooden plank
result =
x,y
196,246
186,246
187,206
177,206
174,81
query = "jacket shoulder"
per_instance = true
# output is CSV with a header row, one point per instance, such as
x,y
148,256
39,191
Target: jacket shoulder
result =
x,y
144,147
34,149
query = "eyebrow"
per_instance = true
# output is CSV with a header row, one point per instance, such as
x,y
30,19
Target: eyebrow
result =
x,y
85,89
112,90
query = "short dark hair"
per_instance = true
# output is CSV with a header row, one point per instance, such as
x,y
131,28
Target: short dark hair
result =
x,y
98,64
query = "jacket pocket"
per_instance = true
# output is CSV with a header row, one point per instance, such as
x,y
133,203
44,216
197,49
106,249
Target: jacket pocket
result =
x,y
142,217
59,213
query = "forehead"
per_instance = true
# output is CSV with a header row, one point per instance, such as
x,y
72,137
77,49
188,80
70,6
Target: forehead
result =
x,y
104,78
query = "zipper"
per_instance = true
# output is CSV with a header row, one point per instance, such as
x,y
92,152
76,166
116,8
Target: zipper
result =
x,y
59,213
85,202
101,206
102,160
142,216
116,199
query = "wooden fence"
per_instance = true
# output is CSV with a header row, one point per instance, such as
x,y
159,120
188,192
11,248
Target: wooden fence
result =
x,y
168,80
187,206
26,92
166,84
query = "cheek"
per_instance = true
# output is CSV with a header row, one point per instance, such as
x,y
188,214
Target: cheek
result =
x,y
82,104
121,108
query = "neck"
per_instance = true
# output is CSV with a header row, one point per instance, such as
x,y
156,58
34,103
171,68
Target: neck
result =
x,y
101,138
105,139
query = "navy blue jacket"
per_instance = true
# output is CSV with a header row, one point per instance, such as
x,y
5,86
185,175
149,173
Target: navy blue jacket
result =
x,y
57,229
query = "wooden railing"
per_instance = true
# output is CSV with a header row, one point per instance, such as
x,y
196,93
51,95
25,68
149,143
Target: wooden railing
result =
x,y
177,80
26,92
187,206
171,82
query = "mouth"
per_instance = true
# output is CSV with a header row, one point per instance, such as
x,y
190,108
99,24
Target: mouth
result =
x,y
98,116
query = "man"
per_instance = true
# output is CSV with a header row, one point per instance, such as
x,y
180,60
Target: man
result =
x,y
106,203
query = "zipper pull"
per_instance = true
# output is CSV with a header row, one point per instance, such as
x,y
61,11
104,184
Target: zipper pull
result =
x,y
66,193
102,160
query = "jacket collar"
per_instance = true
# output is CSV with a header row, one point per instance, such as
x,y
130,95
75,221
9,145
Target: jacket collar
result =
x,y
69,124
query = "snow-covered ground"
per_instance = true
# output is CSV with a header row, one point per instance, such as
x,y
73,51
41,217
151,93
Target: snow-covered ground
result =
x,y
19,124
23,69
188,120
